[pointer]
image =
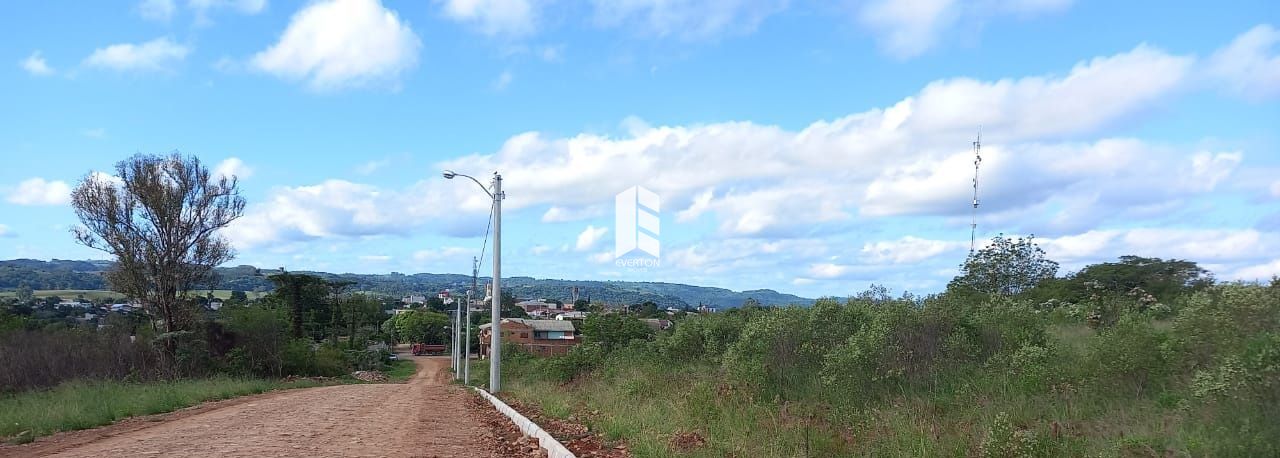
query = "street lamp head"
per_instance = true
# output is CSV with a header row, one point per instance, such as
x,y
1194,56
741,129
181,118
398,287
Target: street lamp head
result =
x,y
449,174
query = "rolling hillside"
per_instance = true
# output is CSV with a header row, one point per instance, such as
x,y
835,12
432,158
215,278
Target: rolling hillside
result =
x,y
87,275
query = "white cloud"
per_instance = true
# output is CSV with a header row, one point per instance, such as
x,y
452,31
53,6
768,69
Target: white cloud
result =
x,y
503,80
1261,272
883,167
701,203
343,209
5,232
157,10
379,258
97,132
908,28
36,65
155,55
1275,189
557,214
1250,65
907,250
335,44
589,237
495,17
232,167
38,191
540,249
687,19
772,181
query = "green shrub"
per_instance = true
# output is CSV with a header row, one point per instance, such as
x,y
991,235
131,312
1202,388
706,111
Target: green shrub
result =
x,y
1128,355
1032,365
1253,375
1003,439
331,361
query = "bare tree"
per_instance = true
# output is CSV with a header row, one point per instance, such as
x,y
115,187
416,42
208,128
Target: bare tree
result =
x,y
159,217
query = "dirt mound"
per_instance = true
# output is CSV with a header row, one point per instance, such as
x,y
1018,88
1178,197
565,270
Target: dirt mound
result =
x,y
370,376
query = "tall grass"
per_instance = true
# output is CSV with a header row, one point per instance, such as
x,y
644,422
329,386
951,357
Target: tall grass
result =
x,y
87,404
909,381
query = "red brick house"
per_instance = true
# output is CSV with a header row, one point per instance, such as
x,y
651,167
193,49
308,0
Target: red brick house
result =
x,y
539,337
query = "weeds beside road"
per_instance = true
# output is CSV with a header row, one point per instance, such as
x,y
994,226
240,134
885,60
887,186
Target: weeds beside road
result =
x,y
87,404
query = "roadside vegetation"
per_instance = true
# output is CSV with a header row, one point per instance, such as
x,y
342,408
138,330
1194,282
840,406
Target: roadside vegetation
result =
x,y
86,404
87,363
1009,361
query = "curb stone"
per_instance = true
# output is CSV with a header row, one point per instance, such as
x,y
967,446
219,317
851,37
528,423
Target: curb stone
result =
x,y
553,447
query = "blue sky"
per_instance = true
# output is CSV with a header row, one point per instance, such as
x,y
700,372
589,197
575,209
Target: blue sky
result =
x,y
808,147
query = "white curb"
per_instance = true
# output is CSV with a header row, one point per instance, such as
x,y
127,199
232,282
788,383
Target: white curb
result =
x,y
553,447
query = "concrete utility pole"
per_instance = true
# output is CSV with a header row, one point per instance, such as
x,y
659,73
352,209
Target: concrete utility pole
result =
x,y
457,338
495,327
495,362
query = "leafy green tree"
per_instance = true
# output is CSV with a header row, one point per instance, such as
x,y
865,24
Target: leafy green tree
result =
x,y
25,295
238,297
423,326
612,330
297,290
1006,267
1162,278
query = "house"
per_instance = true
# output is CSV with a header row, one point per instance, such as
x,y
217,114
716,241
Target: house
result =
x,y
576,315
657,324
414,299
539,337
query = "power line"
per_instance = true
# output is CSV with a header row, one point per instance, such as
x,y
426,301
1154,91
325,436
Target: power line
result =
x,y
485,245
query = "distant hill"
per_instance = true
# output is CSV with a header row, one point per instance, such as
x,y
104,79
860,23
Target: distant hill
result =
x,y
63,274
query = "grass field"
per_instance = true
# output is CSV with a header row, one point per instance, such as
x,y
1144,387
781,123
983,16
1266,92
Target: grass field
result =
x,y
88,404
98,295
402,370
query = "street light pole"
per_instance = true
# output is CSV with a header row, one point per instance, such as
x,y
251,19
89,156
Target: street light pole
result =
x,y
466,345
495,322
457,341
495,361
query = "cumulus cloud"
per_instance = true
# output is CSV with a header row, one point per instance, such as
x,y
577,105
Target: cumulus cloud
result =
x,y
494,17
36,65
686,19
38,191
155,55
5,232
1250,65
906,250
336,44
590,237
232,167
796,203
908,28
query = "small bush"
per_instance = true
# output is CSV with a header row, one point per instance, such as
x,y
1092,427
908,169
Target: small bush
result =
x,y
1128,355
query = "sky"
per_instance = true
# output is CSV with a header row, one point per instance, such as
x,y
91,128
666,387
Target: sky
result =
x,y
809,147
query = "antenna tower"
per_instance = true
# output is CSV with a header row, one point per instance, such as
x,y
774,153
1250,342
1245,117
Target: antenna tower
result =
x,y
973,222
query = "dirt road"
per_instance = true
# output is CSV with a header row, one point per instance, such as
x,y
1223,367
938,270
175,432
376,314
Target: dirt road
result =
x,y
423,418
